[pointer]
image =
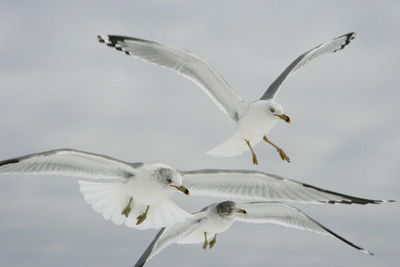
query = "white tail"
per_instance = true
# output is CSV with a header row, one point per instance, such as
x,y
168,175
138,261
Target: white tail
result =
x,y
110,199
233,146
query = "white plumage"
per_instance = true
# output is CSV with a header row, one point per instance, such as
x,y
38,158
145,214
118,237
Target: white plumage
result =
x,y
151,185
219,217
147,184
254,120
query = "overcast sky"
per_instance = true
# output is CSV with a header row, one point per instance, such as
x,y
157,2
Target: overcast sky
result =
x,y
60,88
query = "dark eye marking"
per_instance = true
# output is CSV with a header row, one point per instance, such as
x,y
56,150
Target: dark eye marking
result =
x,y
169,180
272,110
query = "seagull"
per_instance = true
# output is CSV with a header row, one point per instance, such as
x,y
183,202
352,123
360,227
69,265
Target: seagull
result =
x,y
254,120
204,226
137,194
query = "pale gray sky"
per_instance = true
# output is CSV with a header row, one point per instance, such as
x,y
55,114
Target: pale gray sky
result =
x,y
60,88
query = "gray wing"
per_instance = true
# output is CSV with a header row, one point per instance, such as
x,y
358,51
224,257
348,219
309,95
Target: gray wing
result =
x,y
260,186
168,236
69,162
330,46
282,214
186,64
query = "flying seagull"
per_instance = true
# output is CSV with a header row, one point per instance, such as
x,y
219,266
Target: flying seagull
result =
x,y
204,226
254,120
137,194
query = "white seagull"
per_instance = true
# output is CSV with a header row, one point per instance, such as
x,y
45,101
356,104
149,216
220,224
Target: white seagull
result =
x,y
137,194
254,120
204,226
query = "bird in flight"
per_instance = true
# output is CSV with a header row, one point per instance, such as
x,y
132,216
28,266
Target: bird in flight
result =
x,y
137,194
204,226
254,120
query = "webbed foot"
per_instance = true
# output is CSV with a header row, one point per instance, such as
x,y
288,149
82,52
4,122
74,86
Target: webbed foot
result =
x,y
142,217
254,156
127,210
205,241
283,155
212,243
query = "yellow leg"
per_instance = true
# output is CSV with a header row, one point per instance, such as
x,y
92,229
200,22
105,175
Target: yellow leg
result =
x,y
142,217
255,162
280,151
212,243
205,241
127,209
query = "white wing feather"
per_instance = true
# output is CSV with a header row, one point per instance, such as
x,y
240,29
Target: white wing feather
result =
x,y
254,185
330,46
277,213
186,64
69,162
282,214
170,235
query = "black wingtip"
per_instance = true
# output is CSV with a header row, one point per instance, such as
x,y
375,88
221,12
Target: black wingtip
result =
x,y
9,161
349,36
147,252
112,41
340,238
347,198
389,201
100,39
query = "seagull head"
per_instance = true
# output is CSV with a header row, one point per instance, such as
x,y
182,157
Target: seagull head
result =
x,y
171,178
276,111
228,209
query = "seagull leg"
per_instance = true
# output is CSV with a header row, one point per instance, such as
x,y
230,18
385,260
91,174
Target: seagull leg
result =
x,y
127,209
212,243
255,162
142,217
280,151
205,241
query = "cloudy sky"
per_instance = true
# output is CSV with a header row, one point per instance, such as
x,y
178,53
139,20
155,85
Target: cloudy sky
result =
x,y
60,88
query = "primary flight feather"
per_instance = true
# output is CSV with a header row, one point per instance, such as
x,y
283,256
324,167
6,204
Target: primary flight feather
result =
x,y
137,194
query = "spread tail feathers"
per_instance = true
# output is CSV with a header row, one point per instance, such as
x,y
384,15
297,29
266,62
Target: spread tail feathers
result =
x,y
110,199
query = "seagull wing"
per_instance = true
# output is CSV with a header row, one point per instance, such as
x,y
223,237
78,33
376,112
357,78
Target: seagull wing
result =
x,y
260,186
69,162
170,235
282,214
186,64
330,46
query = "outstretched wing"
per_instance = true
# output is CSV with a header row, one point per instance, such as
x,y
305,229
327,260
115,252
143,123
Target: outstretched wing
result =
x,y
260,186
330,46
169,235
282,214
69,162
186,64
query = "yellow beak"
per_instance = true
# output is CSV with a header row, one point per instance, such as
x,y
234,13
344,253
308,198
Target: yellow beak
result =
x,y
242,211
285,118
183,190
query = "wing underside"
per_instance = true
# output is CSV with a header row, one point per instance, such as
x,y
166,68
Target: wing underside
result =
x,y
187,64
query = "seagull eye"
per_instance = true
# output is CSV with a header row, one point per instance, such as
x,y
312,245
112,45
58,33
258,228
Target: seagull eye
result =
x,y
169,180
272,110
